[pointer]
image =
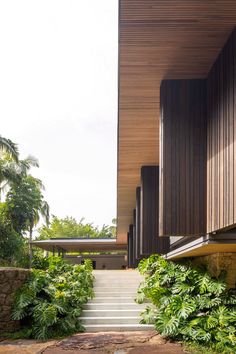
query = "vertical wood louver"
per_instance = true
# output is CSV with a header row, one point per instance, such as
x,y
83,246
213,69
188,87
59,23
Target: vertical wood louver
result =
x,y
138,224
198,150
130,238
221,135
183,158
149,240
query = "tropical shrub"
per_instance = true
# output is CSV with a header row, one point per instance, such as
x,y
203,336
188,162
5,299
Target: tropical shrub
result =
x,y
50,302
188,304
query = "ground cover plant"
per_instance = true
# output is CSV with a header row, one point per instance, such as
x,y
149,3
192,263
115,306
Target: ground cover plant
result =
x,y
50,303
188,304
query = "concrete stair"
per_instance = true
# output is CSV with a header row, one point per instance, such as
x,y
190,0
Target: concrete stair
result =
x,y
113,308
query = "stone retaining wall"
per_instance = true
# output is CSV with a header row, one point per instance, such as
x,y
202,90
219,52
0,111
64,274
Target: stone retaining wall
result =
x,y
218,262
11,279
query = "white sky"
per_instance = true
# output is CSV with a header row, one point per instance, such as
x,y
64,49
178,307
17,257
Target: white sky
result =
x,y
58,98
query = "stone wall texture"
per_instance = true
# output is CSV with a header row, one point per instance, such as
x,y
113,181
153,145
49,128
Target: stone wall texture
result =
x,y
218,262
11,279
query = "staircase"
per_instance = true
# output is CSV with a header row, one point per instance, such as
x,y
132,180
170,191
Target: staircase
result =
x,y
113,308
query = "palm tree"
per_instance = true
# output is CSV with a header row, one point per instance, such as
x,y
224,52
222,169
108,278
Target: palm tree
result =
x,y
11,171
7,146
25,206
41,209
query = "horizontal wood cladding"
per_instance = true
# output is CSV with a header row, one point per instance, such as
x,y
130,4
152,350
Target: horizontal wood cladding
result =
x,y
221,131
149,231
183,158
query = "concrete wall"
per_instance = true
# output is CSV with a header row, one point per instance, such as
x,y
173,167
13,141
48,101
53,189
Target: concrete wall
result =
x,y
11,279
218,262
105,261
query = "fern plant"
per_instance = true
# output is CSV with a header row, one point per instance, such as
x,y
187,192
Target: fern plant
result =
x,y
51,301
189,304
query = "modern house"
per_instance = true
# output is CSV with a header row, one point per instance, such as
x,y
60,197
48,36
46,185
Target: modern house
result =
x,y
176,183
177,130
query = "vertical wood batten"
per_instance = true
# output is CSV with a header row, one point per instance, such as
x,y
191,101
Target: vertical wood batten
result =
x,y
221,128
150,240
183,163
137,226
131,237
134,238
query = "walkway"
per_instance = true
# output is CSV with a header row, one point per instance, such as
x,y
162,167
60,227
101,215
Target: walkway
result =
x,y
148,342
112,323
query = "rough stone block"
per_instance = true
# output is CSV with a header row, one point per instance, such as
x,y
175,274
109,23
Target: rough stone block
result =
x,y
11,279
218,262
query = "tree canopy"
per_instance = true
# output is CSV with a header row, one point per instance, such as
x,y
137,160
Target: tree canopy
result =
x,y
22,206
69,227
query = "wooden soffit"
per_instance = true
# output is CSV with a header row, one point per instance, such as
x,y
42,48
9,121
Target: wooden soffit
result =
x,y
158,39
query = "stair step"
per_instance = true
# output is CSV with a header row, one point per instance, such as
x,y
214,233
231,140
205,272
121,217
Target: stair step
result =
x,y
113,306
104,299
115,289
110,320
111,313
118,327
115,294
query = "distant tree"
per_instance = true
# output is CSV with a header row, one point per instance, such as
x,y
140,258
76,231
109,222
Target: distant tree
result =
x,y
68,227
11,171
25,204
12,244
7,146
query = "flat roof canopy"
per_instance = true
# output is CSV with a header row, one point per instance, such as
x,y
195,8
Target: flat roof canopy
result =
x,y
79,245
171,39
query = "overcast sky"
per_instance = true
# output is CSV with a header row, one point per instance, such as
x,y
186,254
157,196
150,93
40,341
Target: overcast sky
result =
x,y
58,98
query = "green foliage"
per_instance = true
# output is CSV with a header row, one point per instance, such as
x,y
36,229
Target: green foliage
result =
x,y
51,301
40,262
189,304
7,146
69,227
25,203
22,207
12,244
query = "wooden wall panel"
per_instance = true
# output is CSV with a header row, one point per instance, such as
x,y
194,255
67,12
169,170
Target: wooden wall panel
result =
x,y
183,157
158,39
149,240
138,223
221,134
134,239
130,237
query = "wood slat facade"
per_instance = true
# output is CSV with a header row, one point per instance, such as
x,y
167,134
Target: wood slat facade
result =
x,y
171,39
149,241
130,239
183,157
198,150
138,223
221,138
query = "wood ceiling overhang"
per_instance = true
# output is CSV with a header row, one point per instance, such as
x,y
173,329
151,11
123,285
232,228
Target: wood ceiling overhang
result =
x,y
158,39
